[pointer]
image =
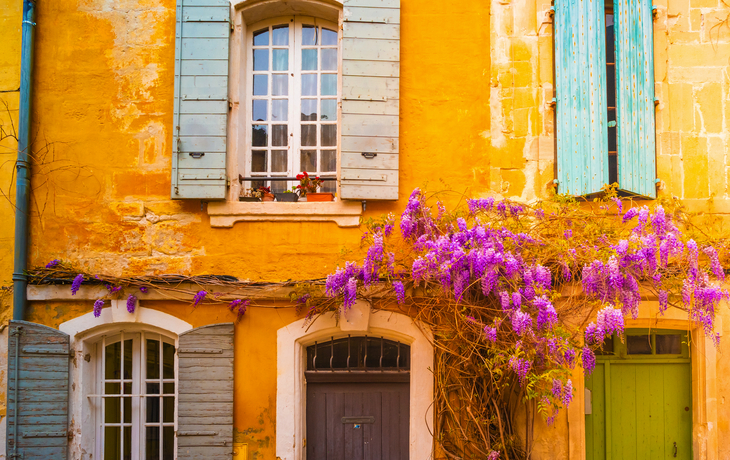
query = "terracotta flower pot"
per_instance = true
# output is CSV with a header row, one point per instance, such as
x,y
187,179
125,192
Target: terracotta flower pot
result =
x,y
327,196
268,197
286,197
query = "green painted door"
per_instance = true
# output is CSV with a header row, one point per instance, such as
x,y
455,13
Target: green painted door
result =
x,y
639,399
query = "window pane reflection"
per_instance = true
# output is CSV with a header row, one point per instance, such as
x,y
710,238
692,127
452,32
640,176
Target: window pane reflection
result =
x,y
279,134
153,359
329,135
329,37
309,109
279,109
668,344
261,37
308,36
113,360
309,135
261,60
309,59
281,60
329,160
258,161
329,59
638,344
309,84
329,109
279,85
260,136
279,161
309,160
260,85
329,84
259,110
281,36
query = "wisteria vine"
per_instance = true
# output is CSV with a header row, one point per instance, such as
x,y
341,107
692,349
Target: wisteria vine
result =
x,y
516,295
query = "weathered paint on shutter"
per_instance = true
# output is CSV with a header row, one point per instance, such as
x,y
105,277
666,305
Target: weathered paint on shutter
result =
x,y
635,113
205,396
38,363
580,85
370,100
201,99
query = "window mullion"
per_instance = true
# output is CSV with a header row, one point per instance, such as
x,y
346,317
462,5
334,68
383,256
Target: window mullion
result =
x,y
296,101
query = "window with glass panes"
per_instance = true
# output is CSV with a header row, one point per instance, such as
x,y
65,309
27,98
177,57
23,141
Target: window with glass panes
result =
x,y
136,413
293,90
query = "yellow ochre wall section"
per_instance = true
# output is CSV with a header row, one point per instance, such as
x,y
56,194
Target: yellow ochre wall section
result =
x,y
476,79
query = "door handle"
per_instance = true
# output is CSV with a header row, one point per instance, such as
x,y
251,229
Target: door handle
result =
x,y
675,449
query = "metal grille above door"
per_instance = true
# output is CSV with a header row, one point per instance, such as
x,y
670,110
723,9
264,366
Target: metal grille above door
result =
x,y
366,357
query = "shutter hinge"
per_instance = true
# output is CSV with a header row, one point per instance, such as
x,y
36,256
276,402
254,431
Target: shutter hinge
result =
x,y
656,101
654,11
551,11
612,124
657,181
553,103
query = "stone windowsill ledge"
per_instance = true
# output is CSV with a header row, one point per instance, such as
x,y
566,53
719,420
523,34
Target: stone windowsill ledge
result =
x,y
343,213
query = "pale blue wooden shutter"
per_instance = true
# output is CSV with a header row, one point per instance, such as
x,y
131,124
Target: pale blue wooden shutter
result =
x,y
635,115
580,85
205,404
38,363
201,99
370,100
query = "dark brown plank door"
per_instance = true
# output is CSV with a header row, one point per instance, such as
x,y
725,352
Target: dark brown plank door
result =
x,y
357,421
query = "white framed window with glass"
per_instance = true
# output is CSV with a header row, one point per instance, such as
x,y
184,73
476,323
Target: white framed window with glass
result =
x,y
292,95
135,401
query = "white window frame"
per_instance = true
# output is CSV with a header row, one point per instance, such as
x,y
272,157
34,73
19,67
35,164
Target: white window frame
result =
x,y
139,391
294,121
85,331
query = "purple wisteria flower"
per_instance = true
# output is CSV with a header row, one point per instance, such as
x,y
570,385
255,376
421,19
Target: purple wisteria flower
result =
x,y
521,322
131,303
480,204
143,289
239,306
112,289
199,296
557,389
76,285
53,263
619,204
490,333
400,292
97,307
493,455
589,360
521,367
567,395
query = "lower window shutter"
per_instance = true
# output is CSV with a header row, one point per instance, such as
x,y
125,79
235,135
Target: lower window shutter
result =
x,y
580,86
370,100
201,100
38,365
205,394
635,109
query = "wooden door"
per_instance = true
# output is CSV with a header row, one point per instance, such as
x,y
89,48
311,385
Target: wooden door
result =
x,y
357,421
639,405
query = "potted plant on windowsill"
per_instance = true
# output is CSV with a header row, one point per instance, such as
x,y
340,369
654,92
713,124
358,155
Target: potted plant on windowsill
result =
x,y
287,196
308,187
266,194
250,195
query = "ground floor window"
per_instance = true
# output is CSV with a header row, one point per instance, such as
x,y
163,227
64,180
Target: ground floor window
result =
x,y
134,404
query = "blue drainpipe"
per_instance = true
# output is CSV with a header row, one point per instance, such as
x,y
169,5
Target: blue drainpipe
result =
x,y
22,184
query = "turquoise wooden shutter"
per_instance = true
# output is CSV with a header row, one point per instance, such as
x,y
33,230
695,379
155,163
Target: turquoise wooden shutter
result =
x,y
580,85
201,99
635,96
370,100
38,362
205,395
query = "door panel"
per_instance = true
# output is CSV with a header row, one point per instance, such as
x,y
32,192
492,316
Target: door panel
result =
x,y
381,433
639,411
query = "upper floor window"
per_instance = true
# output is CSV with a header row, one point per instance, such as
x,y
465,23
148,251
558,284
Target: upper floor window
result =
x,y
604,83
293,94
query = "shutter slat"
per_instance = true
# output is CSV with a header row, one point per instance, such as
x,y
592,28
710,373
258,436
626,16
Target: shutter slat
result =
x,y
635,109
580,81
201,100
205,393
42,391
370,100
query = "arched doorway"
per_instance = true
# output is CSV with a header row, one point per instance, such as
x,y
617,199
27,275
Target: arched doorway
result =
x,y
358,398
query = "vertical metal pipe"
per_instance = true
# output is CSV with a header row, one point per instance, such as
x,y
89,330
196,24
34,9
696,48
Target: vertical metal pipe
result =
x,y
22,185
17,332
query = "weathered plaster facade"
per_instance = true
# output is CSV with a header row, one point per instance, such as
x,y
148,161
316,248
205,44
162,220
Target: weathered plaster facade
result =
x,y
476,85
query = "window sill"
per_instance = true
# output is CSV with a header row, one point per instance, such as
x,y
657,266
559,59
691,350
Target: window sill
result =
x,y
343,213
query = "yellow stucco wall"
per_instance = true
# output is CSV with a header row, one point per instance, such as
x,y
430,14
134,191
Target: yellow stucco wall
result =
x,y
476,77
